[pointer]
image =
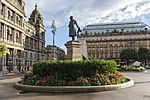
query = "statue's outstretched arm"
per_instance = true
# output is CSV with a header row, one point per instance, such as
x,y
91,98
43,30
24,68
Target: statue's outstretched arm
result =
x,y
77,24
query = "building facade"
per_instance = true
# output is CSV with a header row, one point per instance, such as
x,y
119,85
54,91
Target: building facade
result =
x,y
25,39
54,52
106,41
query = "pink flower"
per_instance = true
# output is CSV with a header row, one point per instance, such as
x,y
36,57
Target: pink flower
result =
x,y
113,79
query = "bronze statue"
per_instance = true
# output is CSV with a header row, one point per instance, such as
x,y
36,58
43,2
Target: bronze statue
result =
x,y
72,29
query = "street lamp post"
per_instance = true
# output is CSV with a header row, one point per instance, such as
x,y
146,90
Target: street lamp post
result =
x,y
53,29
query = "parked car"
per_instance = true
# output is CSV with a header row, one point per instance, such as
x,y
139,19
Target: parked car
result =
x,y
147,66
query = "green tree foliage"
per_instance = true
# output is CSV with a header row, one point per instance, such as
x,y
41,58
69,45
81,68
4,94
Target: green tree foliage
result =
x,y
129,55
3,50
144,54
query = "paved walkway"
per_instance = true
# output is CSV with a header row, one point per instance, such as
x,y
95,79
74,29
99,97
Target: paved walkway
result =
x,y
141,91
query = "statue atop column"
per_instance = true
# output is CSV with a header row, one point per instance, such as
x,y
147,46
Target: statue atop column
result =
x,y
72,28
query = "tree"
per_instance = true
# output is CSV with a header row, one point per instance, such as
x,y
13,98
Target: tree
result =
x,y
3,51
144,54
129,55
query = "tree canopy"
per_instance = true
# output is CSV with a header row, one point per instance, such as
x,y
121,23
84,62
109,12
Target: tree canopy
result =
x,y
3,50
129,54
142,55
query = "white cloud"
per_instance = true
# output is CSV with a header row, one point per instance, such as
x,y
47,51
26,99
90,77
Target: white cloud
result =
x,y
134,12
84,11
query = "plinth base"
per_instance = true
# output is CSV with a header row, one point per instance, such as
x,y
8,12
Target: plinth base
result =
x,y
73,50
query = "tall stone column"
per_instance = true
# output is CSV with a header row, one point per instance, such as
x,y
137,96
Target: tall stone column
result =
x,y
5,32
73,50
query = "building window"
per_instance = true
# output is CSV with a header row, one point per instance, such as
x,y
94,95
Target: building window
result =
x,y
115,30
18,37
1,30
17,19
12,16
35,56
9,14
107,31
11,34
8,34
30,55
2,9
26,55
122,30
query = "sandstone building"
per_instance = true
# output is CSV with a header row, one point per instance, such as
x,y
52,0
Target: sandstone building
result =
x,y
58,53
106,41
24,39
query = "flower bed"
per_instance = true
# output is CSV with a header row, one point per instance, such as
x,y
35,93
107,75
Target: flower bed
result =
x,y
74,73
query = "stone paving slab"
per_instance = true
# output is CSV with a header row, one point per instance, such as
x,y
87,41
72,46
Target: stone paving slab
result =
x,y
140,91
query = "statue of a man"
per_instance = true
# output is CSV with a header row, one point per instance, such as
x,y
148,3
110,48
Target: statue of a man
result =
x,y
72,29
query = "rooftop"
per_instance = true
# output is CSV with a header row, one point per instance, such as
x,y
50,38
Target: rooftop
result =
x,y
118,27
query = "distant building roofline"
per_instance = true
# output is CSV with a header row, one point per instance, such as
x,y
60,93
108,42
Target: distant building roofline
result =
x,y
116,23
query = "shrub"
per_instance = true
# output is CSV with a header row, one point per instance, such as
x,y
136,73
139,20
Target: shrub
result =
x,y
108,66
132,68
72,70
74,73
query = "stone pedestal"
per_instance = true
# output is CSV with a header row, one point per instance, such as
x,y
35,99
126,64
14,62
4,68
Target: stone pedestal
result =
x,y
73,50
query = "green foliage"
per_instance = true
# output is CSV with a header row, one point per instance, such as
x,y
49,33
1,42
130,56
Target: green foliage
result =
x,y
72,70
29,79
3,50
74,73
144,54
132,68
129,54
108,66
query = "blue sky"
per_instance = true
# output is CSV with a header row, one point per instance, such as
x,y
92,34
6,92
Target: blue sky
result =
x,y
87,12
